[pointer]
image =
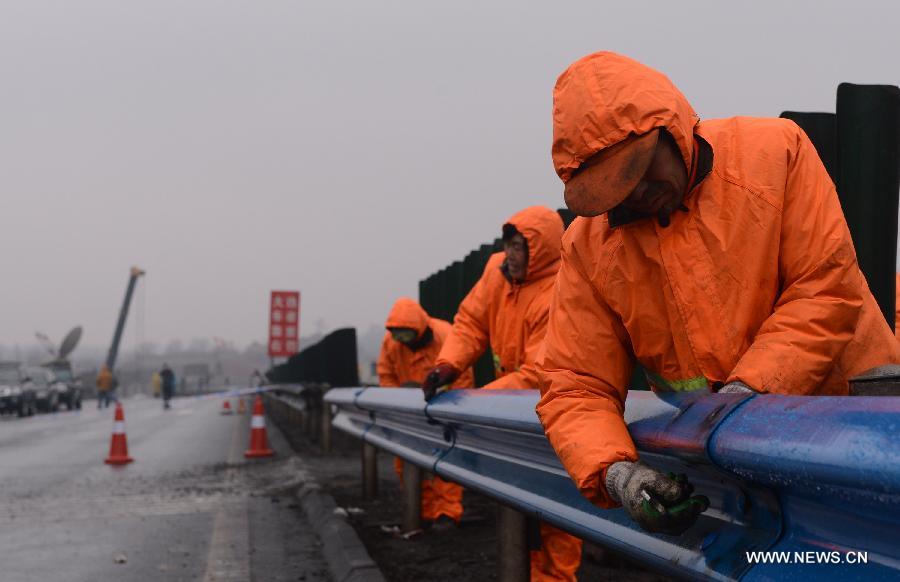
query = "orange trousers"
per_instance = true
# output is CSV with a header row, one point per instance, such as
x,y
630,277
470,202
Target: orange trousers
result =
x,y
559,556
439,497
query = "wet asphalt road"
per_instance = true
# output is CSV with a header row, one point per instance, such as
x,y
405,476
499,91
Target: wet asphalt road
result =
x,y
188,508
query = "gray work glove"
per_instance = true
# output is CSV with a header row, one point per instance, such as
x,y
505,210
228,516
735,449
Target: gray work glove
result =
x,y
657,502
735,388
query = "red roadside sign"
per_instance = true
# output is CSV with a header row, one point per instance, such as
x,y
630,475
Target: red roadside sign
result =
x,y
284,324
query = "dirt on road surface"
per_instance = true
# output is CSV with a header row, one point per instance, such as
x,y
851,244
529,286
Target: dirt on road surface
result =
x,y
189,507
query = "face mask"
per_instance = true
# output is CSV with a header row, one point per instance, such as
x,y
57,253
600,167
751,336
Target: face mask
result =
x,y
403,335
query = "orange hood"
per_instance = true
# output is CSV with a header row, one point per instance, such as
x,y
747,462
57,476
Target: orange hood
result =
x,y
542,228
407,313
604,98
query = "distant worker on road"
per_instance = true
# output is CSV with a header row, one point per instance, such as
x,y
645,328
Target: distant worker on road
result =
x,y
408,351
105,387
507,310
167,376
715,254
156,384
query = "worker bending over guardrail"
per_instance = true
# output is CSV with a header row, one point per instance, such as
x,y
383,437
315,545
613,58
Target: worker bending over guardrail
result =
x,y
713,253
507,310
408,352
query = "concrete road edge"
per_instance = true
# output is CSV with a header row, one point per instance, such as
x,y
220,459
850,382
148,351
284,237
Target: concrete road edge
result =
x,y
345,553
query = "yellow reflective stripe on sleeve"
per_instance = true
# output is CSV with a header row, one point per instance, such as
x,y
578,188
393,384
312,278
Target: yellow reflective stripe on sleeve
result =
x,y
691,384
657,382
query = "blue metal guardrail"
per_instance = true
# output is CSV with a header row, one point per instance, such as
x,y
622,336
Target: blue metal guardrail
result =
x,y
783,474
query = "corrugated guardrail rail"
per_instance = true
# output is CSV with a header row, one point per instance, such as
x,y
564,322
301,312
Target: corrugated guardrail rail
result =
x,y
783,473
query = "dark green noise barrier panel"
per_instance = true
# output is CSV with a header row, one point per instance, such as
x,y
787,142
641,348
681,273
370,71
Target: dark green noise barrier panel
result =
x,y
330,361
868,180
860,147
822,131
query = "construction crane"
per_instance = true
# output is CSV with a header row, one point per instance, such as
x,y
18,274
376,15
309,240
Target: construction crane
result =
x,y
123,315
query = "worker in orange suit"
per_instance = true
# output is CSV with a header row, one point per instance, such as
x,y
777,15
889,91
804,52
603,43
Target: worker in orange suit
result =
x,y
713,253
105,386
408,351
506,310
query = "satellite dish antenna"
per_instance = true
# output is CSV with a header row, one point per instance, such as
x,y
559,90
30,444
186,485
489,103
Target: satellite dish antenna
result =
x,y
45,342
69,343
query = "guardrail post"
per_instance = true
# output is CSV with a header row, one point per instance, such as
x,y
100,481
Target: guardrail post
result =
x,y
326,427
304,416
412,496
291,410
300,415
370,471
512,538
315,415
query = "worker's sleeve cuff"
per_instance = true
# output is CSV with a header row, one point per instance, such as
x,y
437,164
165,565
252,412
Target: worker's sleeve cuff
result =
x,y
616,477
736,387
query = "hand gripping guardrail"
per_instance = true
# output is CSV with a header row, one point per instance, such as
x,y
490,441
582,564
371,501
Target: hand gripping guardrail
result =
x,y
784,474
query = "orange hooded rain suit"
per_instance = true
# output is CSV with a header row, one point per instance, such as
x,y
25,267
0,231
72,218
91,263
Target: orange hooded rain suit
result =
x,y
400,364
757,281
104,380
511,318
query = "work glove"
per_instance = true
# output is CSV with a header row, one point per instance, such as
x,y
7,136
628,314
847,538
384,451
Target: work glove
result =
x,y
735,388
438,378
659,503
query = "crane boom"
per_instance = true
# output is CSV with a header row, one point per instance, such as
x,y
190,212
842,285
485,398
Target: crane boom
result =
x,y
123,314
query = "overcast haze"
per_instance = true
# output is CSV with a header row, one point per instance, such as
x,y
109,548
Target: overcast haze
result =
x,y
347,151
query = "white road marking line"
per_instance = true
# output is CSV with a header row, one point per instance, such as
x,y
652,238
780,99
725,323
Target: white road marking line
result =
x,y
229,548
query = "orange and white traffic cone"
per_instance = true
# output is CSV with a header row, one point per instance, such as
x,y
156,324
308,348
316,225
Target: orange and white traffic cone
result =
x,y
118,445
259,442
226,407
242,408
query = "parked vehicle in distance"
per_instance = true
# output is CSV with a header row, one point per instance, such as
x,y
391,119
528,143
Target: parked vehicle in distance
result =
x,y
70,385
16,393
46,388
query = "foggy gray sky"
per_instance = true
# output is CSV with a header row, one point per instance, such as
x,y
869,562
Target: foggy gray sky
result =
x,y
345,150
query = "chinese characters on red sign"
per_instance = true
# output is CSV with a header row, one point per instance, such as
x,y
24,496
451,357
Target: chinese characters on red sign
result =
x,y
284,324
